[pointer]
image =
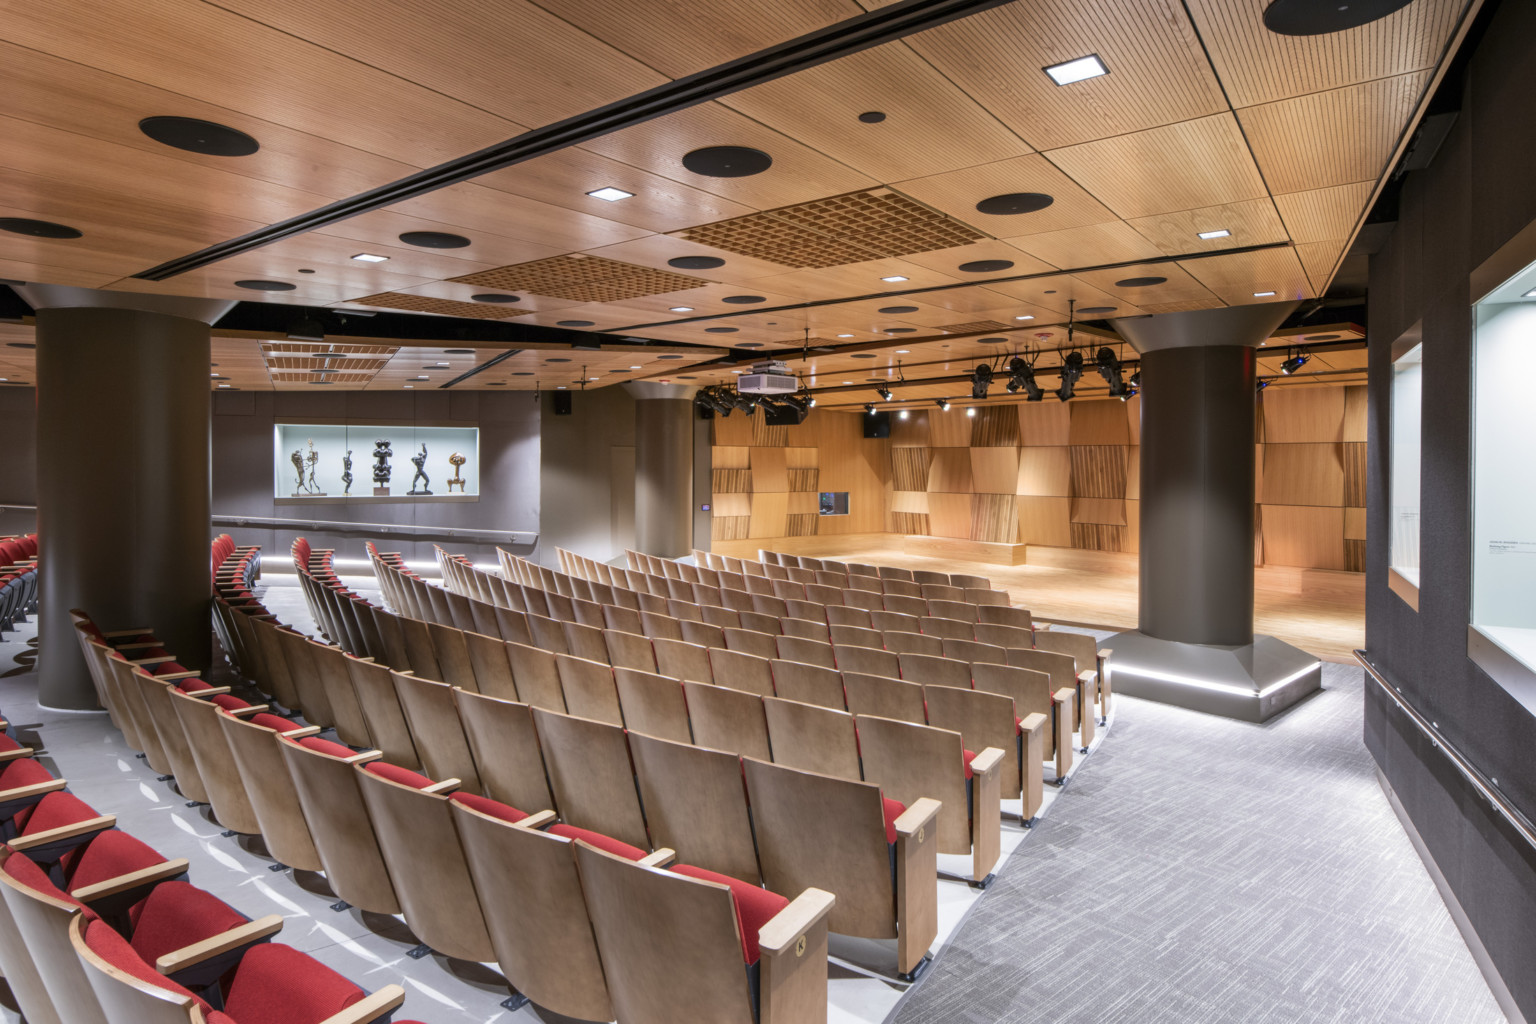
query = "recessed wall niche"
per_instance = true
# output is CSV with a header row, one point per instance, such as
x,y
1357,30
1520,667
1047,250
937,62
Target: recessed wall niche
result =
x,y
424,463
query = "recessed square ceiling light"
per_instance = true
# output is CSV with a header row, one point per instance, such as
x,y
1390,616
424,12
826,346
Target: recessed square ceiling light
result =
x,y
221,385
634,367
1220,233
903,351
845,335
368,257
610,194
682,309
1023,318
893,278
1077,70
1262,295
408,386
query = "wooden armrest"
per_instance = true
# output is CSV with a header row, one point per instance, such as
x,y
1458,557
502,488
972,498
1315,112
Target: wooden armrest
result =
x,y
658,859
1063,695
11,755
142,631
988,759
207,691
922,812
36,789
382,1003
171,677
1105,652
1032,722
254,709
142,645
1043,629
21,844
1087,676
446,786
783,931
132,880
217,945
364,757
268,615
153,661
304,733
538,820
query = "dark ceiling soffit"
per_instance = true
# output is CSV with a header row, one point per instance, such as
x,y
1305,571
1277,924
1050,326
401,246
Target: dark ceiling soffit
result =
x,y
953,286
508,354
811,50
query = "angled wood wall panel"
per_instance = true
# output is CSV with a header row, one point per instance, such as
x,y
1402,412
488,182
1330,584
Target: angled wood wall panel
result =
x,y
995,470
1045,472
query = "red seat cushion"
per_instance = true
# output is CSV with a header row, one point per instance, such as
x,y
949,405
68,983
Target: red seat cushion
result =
x,y
110,854
55,811
968,758
177,914
495,808
25,870
755,906
605,843
276,984
325,746
275,722
394,773
166,667
6,743
23,772
114,949
893,810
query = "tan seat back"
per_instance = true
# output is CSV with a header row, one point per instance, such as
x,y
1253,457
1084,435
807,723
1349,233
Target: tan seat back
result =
x,y
588,689
930,671
726,719
271,792
678,659
808,684
420,650
537,676
696,804
452,656
653,704
215,764
493,672
746,672
374,685
811,738
910,761
436,732
156,696
902,642
505,747
984,720
887,698
629,650
869,661
809,652
590,776
330,664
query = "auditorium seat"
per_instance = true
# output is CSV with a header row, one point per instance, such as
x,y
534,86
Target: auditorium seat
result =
x,y
436,732
901,641
493,672
505,746
683,660
808,683
727,719
387,728
929,670
216,767
843,615
653,704
630,650
855,636
1062,669
589,690
1086,656
536,675
590,776
696,804
811,738
887,698
269,787
868,660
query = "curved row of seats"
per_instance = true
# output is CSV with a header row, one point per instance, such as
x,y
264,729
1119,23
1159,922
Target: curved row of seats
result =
x,y
769,561
97,927
18,579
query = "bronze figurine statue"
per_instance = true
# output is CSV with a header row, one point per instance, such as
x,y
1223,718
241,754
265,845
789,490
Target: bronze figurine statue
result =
x,y
346,472
313,458
419,460
456,460
298,465
381,454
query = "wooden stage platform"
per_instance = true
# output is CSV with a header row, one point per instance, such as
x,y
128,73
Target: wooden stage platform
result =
x,y
1315,609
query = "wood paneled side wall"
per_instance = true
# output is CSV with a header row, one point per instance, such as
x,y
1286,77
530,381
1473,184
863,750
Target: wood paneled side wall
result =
x,y
1311,478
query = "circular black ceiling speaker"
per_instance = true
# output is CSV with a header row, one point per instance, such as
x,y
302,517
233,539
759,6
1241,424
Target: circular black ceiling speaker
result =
x,y
727,161
1098,309
557,360
197,136
897,310
991,341
862,355
717,330
458,351
21,344
434,240
674,356
872,116
1140,282
303,270
901,330
1014,203
522,373
494,297
696,262
750,344
575,323
1320,17
495,383
37,228
266,286
986,266
743,300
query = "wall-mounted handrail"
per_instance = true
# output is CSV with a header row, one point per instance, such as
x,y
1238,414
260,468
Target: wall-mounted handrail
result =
x,y
382,529
1484,785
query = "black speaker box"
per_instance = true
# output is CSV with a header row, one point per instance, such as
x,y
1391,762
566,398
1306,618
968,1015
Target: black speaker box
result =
x,y
877,424
562,403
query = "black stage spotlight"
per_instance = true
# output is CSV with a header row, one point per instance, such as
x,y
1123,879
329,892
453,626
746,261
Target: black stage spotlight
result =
x,y
1264,382
1071,370
942,403
785,412
1022,375
1136,380
1294,363
884,392
1109,369
869,407
981,379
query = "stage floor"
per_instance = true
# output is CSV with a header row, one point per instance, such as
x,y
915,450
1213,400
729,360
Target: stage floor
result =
x,y
1318,610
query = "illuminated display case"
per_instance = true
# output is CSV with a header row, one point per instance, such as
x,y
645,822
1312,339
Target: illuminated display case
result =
x,y
1407,414
1503,486
309,463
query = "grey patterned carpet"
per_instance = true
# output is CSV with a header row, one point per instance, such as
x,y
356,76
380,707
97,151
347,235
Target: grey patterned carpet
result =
x,y
1213,872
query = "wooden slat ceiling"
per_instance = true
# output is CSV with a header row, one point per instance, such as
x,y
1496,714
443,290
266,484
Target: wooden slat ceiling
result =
x,y
1206,121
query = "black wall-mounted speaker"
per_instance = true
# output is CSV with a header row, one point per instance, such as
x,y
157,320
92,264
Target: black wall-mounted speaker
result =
x,y
877,424
562,403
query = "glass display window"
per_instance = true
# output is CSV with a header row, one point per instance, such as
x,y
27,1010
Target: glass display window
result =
x,y
353,462
1407,414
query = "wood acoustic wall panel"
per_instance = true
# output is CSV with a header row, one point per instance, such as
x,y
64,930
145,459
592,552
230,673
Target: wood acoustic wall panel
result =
x,y
1303,474
768,472
1304,535
802,479
1102,511
1044,423
731,481
1356,413
909,469
723,456
1303,415
912,524
801,525
951,429
726,506
1354,555
732,431
1258,471
1045,520
848,461
911,432
1099,423
995,470
1133,526
1354,473
1133,419
995,425
1098,471
766,436
1133,472
804,503
995,518
769,510
1098,537
950,471
910,501
729,527
802,458
949,515
1045,472
1354,523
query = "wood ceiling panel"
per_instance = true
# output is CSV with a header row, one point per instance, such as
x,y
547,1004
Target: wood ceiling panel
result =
x,y
1110,242
1158,72
1183,166
948,261
214,283
30,270
471,208
1325,214
1251,222
1053,293
1235,278
1179,287
798,174
958,192
930,126
239,366
1318,259
855,279
201,50
486,247
1331,138
656,250
332,255
1259,66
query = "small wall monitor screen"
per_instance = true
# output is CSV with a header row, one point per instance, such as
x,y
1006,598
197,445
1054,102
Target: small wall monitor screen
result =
x,y
834,503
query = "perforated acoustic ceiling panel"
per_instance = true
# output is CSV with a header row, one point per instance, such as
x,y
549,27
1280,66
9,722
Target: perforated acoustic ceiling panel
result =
x,y
976,325
445,307
584,279
300,377
852,228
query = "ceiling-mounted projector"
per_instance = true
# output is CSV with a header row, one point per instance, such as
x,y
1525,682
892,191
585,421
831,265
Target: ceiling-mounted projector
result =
x,y
769,377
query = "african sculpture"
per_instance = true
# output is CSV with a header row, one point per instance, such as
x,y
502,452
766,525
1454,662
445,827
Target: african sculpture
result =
x,y
298,465
419,460
346,472
381,471
456,460
313,458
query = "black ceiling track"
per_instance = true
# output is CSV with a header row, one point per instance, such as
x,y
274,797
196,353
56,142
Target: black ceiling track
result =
x,y
508,354
811,50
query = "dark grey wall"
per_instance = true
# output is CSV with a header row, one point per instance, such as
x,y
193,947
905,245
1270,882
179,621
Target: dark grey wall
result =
x,y
587,498
1477,194
509,467
18,464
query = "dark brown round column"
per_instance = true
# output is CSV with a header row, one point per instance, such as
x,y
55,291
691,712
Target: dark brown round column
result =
x,y
122,485
663,468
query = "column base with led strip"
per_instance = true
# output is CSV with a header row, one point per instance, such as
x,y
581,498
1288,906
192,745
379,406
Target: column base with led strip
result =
x,y
1195,646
